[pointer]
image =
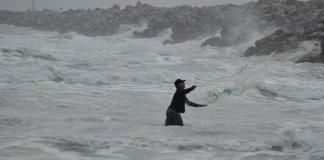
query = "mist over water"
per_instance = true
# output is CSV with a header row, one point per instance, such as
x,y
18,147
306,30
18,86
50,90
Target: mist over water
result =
x,y
70,96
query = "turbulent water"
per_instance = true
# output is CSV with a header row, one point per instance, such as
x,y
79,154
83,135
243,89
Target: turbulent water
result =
x,y
73,97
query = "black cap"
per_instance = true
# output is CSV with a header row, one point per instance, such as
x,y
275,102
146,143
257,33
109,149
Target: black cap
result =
x,y
178,81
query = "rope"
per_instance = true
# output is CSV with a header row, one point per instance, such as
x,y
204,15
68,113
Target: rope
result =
x,y
240,71
215,94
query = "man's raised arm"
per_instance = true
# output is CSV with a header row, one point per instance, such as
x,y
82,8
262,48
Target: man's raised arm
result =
x,y
194,104
188,90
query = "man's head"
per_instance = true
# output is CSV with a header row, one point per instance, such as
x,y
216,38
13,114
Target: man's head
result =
x,y
179,84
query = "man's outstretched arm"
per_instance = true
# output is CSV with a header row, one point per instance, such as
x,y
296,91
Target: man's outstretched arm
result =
x,y
189,89
194,104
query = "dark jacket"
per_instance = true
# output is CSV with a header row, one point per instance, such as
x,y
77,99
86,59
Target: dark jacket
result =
x,y
179,99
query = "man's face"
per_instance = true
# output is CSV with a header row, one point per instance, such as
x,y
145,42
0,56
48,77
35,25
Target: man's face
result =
x,y
182,85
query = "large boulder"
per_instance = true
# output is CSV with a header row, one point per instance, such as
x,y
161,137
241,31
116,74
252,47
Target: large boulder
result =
x,y
314,56
230,36
279,41
252,51
215,41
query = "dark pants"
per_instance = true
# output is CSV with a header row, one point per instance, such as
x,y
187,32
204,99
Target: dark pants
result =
x,y
173,118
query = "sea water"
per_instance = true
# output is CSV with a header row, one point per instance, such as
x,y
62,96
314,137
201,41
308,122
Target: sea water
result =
x,y
73,97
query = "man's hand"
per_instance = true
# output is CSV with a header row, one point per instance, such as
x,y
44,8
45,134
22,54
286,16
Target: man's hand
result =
x,y
203,105
193,86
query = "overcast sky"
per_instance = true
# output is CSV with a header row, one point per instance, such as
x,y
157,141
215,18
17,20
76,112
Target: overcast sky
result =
x,y
22,5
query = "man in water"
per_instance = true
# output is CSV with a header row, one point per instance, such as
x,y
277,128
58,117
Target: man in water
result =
x,y
177,105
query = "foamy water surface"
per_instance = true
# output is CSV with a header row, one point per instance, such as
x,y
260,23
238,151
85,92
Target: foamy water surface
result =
x,y
73,97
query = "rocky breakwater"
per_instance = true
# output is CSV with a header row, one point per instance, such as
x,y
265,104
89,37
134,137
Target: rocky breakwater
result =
x,y
185,22
91,22
225,25
298,21
279,41
188,22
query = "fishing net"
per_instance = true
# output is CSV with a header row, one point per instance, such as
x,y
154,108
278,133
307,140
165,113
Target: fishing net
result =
x,y
215,94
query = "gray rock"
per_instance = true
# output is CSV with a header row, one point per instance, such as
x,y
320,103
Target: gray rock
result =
x,y
251,51
116,7
188,22
215,41
230,36
279,41
314,56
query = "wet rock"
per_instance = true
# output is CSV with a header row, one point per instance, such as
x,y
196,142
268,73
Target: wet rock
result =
x,y
291,2
215,41
116,7
314,57
230,36
279,41
251,51
186,22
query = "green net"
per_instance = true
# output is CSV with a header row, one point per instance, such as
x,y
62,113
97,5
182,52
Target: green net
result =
x,y
215,94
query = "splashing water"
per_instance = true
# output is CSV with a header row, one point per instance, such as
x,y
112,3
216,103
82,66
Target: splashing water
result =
x,y
68,96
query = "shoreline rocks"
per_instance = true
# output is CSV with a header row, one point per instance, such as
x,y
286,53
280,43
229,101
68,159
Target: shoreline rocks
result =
x,y
279,41
298,21
229,36
186,22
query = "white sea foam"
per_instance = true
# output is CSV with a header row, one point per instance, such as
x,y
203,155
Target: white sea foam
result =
x,y
69,96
